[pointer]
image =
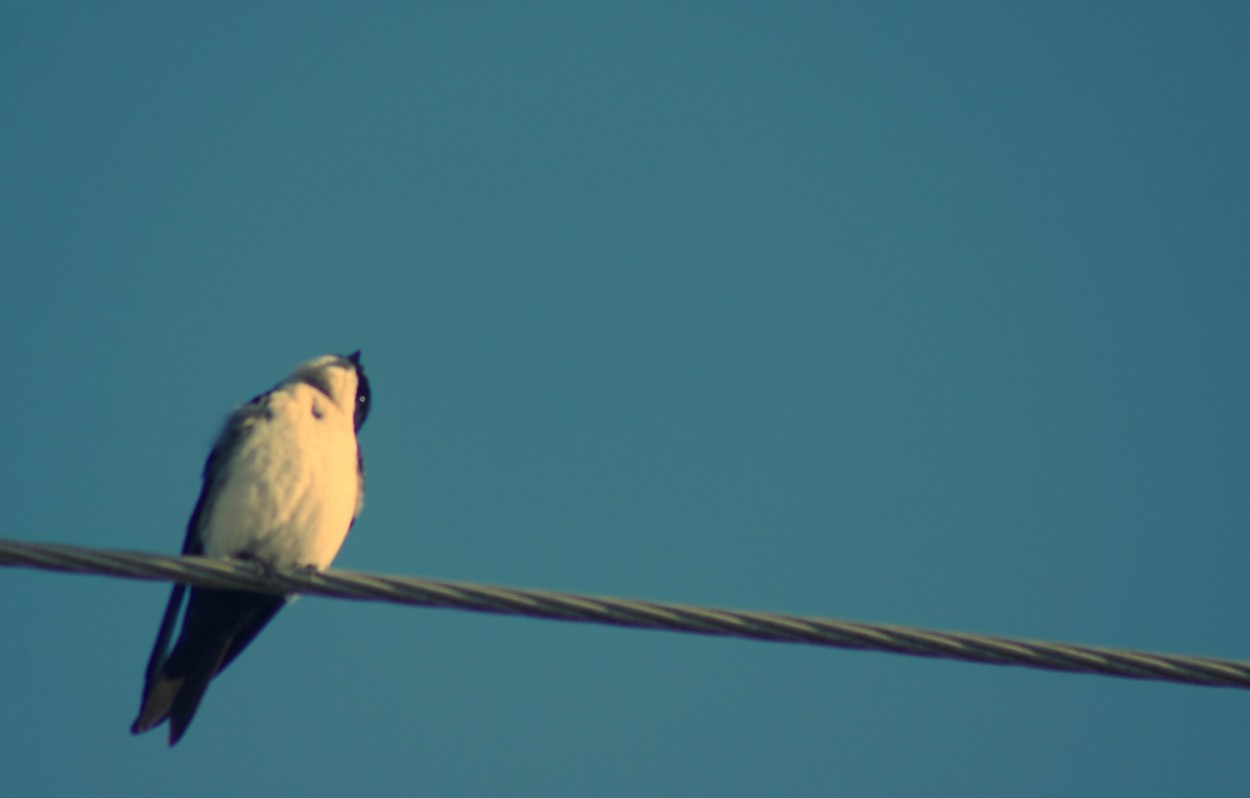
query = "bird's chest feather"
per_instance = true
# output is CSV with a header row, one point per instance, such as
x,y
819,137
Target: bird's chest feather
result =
x,y
290,490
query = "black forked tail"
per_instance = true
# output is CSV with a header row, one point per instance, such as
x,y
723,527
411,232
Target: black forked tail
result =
x,y
219,624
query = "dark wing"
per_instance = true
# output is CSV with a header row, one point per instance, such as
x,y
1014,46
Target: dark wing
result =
x,y
238,425
360,485
219,624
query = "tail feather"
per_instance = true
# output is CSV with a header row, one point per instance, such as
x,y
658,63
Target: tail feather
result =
x,y
218,625
176,693
156,704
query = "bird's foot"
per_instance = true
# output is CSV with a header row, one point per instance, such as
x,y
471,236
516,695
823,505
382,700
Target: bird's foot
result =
x,y
264,569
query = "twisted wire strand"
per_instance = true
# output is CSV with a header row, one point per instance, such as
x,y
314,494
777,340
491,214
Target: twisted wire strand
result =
x,y
774,627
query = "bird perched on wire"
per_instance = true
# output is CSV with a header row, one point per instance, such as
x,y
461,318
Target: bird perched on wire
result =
x,y
282,487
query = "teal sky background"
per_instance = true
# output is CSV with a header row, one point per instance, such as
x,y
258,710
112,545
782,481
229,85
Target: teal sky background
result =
x,y
919,313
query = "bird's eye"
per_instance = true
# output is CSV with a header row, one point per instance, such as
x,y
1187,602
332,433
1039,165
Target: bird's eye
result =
x,y
363,396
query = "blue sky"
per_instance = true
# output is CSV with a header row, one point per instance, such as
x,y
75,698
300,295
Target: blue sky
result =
x,y
930,314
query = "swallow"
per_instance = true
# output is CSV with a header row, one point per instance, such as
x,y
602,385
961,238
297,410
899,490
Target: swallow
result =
x,y
283,485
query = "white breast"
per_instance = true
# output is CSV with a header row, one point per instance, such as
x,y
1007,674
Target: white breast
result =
x,y
289,491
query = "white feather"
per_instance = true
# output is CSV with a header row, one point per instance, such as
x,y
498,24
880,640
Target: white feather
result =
x,y
289,490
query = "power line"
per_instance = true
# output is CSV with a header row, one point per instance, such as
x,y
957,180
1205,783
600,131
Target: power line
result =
x,y
774,627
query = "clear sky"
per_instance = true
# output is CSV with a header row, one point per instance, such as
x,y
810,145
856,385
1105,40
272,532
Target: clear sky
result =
x,y
921,313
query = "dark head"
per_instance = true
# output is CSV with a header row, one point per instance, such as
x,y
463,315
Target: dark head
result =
x,y
364,397
342,379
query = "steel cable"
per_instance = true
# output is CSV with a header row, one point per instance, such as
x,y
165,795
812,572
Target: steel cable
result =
x,y
775,627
